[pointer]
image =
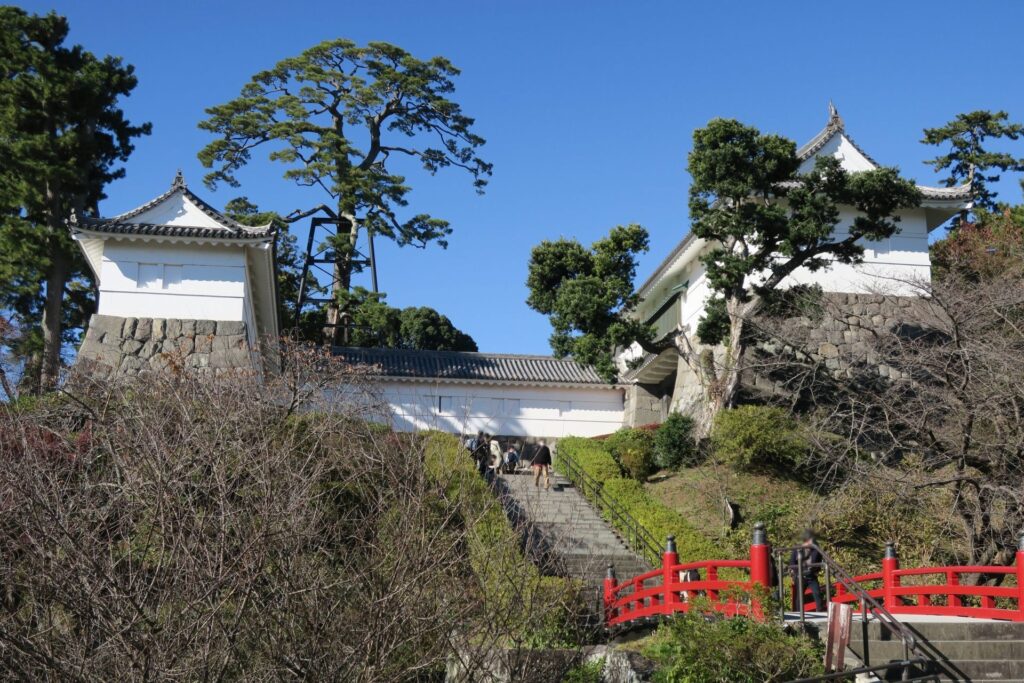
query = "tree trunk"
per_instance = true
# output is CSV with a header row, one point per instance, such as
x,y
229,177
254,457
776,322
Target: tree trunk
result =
x,y
53,314
723,389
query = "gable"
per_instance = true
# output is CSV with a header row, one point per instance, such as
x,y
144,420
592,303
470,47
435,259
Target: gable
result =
x,y
841,147
177,209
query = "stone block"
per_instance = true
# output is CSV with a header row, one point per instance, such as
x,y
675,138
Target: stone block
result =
x,y
188,328
850,336
231,341
834,337
229,358
204,343
128,331
100,326
230,327
828,350
131,365
185,345
198,360
878,321
149,349
158,329
173,330
144,329
131,346
206,327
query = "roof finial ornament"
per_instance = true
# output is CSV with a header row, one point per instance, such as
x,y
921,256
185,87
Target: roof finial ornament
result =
x,y
73,218
834,119
179,180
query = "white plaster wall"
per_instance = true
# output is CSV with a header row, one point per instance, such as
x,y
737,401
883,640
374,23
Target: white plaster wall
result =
x,y
505,410
211,287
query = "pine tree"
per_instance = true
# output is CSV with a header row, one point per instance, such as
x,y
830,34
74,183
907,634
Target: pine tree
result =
x,y
62,137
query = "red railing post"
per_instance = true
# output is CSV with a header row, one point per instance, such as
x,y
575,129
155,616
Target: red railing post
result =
x,y
669,559
890,563
760,571
1020,576
610,584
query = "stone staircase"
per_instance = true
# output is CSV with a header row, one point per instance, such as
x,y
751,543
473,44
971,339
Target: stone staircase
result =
x,y
564,533
969,650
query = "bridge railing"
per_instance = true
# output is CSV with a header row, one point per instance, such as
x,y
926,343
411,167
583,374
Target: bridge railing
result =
x,y
941,591
673,586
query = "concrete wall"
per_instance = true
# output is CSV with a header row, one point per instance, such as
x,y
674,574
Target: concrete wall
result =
x,y
526,411
191,282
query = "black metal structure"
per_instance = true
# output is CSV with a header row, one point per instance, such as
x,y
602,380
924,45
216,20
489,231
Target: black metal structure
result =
x,y
320,259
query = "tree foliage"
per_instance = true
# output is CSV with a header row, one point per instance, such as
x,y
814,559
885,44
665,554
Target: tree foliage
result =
x,y
765,220
376,324
968,160
588,294
762,220
339,116
62,139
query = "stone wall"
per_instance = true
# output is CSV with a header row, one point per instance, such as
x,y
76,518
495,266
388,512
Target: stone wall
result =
x,y
133,345
843,332
836,336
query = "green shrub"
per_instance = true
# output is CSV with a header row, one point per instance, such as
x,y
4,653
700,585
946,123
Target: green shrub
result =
x,y
750,437
674,446
661,520
511,584
695,648
633,449
590,455
586,672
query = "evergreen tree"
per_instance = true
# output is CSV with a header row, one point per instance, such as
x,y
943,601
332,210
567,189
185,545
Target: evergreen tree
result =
x,y
762,220
62,137
339,116
968,161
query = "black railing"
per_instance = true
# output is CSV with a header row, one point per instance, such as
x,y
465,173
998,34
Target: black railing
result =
x,y
636,536
868,605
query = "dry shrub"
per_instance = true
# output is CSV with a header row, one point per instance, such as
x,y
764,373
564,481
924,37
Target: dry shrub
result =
x,y
182,528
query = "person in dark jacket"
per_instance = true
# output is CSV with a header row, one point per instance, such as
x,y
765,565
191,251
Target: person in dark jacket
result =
x,y
542,464
805,562
481,453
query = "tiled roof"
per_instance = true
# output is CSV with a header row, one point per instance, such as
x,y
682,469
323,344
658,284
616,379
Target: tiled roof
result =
x,y
474,367
122,224
117,227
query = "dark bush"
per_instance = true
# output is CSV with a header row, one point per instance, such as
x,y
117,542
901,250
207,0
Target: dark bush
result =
x,y
674,446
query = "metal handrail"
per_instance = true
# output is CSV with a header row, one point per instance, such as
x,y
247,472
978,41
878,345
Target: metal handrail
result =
x,y
867,603
638,537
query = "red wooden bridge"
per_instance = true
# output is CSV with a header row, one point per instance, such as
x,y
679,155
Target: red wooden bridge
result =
x,y
942,591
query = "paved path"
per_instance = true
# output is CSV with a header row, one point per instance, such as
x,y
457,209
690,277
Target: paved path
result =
x,y
565,533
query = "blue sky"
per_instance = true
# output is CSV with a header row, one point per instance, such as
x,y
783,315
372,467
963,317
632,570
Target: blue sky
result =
x,y
588,109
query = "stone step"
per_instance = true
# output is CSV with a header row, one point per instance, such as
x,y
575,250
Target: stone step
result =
x,y
951,630
883,650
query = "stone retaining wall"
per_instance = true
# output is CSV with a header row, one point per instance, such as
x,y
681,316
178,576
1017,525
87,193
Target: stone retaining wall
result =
x,y
133,345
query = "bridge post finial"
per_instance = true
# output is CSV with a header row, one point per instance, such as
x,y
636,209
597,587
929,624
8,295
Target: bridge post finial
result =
x,y
890,551
760,534
1020,541
610,572
670,544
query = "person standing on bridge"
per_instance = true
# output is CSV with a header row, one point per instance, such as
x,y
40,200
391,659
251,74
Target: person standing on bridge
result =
x,y
805,563
542,464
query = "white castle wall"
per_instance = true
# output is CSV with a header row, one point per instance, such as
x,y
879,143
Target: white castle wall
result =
x,y
506,410
154,280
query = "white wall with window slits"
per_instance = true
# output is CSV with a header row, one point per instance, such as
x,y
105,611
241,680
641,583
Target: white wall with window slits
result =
x,y
154,280
507,410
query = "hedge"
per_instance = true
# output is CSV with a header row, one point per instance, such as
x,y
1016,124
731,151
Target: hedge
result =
x,y
506,576
662,521
591,456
